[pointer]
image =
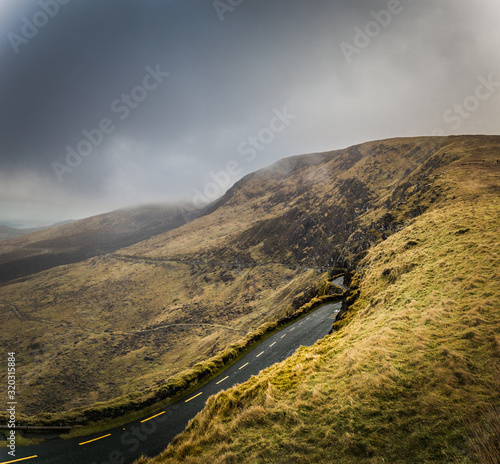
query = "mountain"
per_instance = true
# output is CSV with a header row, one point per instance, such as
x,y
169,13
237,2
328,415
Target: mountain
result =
x,y
76,241
315,210
7,232
395,214
411,373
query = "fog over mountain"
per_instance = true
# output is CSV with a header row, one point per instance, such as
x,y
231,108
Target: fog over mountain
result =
x,y
105,104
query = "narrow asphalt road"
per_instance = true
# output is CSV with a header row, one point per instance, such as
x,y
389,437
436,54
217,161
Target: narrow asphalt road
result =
x,y
151,435
339,282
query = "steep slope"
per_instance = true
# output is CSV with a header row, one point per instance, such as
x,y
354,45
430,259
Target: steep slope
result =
x,y
80,240
127,322
321,209
412,372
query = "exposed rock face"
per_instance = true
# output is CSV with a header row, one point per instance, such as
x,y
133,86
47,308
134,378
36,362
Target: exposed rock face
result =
x,y
327,209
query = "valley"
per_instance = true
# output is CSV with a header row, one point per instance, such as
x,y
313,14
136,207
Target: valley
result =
x,y
147,435
408,219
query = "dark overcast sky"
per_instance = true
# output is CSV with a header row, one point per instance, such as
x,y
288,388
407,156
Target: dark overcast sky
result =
x,y
228,79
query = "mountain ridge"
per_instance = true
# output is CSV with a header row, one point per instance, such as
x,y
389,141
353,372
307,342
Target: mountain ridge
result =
x,y
348,186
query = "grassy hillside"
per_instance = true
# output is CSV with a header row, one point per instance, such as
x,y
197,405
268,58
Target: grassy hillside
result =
x,y
110,332
412,373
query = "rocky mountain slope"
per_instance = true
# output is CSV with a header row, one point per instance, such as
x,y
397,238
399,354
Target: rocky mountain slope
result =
x,y
127,322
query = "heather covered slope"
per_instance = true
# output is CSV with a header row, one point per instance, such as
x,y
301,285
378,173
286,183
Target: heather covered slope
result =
x,y
412,373
113,325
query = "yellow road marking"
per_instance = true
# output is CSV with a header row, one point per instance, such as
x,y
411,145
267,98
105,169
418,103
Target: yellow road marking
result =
x,y
220,381
17,460
259,354
243,366
95,439
152,417
272,345
283,336
193,397
293,328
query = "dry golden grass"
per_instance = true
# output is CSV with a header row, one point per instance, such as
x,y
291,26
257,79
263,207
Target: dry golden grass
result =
x,y
485,437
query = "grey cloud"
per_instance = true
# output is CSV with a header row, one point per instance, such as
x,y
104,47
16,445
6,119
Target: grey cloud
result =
x,y
226,79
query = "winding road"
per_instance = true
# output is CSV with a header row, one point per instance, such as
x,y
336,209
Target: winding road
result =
x,y
152,434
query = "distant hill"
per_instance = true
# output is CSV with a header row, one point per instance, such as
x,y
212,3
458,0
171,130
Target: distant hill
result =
x,y
398,215
35,250
7,232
